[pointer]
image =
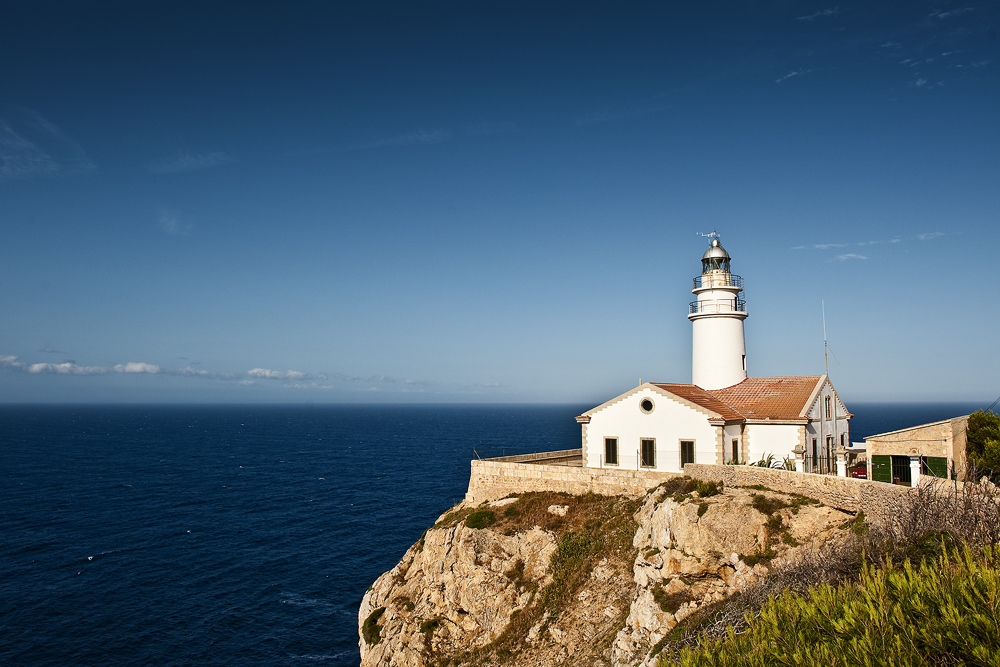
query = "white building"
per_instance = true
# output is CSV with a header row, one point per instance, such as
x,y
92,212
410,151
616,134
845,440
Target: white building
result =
x,y
724,415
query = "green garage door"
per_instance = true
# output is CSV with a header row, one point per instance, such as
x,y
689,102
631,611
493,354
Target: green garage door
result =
x,y
882,469
934,465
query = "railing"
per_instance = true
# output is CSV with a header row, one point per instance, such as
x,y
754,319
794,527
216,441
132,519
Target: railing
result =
x,y
715,306
708,280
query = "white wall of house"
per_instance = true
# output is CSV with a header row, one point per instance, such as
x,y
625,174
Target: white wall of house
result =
x,y
821,428
669,422
776,439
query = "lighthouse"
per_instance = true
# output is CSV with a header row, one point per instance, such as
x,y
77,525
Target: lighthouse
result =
x,y
719,357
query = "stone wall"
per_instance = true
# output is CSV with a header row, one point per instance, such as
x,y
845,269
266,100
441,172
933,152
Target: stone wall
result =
x,y
493,479
877,499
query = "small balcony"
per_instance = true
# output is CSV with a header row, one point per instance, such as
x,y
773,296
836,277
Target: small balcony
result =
x,y
710,280
717,306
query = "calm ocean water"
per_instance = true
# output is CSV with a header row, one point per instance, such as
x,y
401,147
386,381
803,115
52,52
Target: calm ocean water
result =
x,y
239,535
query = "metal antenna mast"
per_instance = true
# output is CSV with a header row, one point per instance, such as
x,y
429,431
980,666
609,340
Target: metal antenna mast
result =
x,y
826,357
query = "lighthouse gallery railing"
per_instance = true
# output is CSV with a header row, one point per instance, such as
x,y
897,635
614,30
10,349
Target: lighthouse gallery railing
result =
x,y
712,306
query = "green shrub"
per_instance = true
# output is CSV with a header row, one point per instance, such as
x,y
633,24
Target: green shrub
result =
x,y
370,630
481,519
429,626
706,489
983,443
942,612
702,508
767,505
511,511
670,602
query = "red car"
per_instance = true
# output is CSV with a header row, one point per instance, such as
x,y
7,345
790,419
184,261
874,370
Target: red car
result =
x,y
859,471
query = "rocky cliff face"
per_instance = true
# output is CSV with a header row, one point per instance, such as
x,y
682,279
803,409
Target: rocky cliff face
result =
x,y
551,579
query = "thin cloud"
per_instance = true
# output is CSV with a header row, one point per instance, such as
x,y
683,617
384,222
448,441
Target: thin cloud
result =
x,y
937,14
620,112
849,255
184,161
418,138
170,223
820,246
31,146
480,129
66,368
793,73
136,367
927,236
265,374
821,14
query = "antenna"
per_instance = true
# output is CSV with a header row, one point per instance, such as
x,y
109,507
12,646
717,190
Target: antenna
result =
x,y
711,235
826,357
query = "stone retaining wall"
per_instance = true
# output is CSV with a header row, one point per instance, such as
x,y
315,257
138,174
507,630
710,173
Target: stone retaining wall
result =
x,y
493,479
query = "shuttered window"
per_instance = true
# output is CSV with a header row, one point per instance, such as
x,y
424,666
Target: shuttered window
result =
x,y
647,453
611,451
687,452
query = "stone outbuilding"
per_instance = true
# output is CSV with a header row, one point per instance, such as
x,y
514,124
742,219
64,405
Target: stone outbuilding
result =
x,y
903,456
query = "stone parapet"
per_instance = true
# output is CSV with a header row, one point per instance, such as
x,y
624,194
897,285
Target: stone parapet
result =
x,y
493,479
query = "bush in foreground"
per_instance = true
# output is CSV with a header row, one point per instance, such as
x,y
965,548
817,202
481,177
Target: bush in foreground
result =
x,y
944,612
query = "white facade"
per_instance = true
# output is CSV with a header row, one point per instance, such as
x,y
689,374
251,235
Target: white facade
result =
x,y
670,421
827,430
718,356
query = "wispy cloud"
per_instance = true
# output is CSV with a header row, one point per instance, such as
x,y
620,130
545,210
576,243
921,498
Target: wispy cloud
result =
x,y
170,222
927,236
617,112
479,129
31,146
793,73
65,368
821,14
290,379
136,367
183,161
820,246
938,14
418,138
265,374
849,255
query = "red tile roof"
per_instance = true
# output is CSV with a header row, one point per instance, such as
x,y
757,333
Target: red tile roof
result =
x,y
754,398
702,397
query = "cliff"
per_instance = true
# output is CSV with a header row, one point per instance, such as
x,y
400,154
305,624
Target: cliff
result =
x,y
554,579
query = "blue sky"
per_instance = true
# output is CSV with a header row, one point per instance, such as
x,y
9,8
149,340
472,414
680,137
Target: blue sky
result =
x,y
492,201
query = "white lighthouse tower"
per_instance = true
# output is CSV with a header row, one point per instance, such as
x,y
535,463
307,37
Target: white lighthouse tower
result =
x,y
719,356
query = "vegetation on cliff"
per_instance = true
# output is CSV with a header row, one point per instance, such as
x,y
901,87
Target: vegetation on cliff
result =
x,y
983,443
943,612
921,589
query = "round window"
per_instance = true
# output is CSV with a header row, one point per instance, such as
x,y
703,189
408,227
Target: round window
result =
x,y
646,405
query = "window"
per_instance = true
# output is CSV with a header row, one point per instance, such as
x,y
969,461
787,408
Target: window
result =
x,y
829,408
687,452
647,452
736,451
646,405
611,451
814,465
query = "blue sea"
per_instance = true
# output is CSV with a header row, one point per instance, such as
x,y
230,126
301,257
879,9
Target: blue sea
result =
x,y
239,535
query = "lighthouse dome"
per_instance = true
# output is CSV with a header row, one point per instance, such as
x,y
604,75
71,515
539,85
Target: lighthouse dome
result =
x,y
715,251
